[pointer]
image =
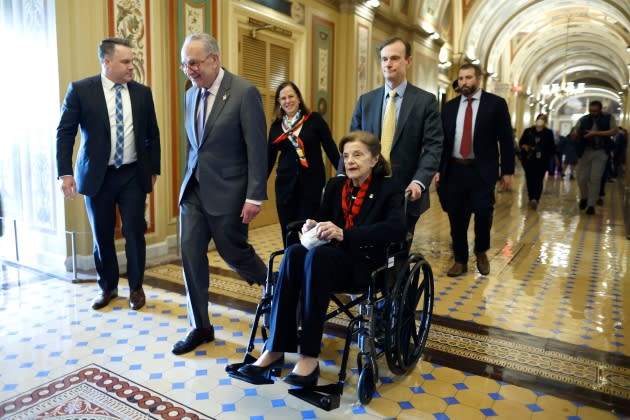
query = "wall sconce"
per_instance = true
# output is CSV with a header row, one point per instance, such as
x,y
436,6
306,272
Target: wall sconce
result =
x,y
373,3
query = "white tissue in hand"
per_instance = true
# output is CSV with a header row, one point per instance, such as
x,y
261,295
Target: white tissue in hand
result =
x,y
309,239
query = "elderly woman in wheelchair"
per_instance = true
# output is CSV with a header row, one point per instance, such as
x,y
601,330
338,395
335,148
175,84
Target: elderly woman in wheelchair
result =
x,y
359,216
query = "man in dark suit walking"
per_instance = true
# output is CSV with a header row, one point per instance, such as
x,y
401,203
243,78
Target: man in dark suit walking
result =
x,y
477,141
411,135
225,181
117,163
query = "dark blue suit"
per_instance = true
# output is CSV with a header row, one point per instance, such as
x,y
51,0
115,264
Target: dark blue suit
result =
x,y
467,189
103,186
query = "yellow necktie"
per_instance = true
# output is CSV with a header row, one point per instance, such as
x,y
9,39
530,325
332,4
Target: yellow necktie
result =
x,y
389,126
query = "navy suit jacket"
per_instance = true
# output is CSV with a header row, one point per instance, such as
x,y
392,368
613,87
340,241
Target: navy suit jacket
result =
x,y
417,143
380,222
232,153
493,135
85,106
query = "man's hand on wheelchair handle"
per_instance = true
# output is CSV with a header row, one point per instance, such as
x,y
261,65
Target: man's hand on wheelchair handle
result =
x,y
414,190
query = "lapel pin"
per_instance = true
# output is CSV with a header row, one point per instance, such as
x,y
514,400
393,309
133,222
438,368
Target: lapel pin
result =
x,y
225,97
371,195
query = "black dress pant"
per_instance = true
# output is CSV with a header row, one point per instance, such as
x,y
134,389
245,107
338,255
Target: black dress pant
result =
x,y
313,274
120,187
534,175
301,205
466,192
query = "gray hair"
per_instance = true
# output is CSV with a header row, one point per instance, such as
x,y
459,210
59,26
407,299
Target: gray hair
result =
x,y
210,44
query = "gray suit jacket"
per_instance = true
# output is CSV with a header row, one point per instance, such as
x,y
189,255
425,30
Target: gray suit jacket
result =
x,y
232,153
417,145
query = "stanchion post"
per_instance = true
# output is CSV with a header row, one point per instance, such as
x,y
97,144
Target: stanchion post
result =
x,y
15,238
73,244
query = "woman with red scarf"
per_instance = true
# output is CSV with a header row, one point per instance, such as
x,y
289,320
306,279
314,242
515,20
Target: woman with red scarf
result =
x,y
360,214
298,135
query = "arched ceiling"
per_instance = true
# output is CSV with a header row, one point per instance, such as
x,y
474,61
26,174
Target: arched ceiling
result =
x,y
531,43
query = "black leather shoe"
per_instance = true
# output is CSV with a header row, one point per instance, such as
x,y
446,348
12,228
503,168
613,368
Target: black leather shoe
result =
x,y
137,299
590,210
104,298
582,203
194,339
307,381
257,371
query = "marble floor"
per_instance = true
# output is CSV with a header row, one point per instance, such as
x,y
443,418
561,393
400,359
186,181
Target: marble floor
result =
x,y
543,336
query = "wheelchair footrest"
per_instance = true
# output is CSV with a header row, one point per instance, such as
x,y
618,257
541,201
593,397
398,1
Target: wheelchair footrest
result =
x,y
326,397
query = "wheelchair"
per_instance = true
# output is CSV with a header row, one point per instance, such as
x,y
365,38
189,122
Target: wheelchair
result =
x,y
391,318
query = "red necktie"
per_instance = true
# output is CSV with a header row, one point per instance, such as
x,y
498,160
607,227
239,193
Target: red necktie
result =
x,y
466,147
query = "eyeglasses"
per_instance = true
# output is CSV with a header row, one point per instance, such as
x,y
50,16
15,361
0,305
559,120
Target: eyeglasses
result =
x,y
193,65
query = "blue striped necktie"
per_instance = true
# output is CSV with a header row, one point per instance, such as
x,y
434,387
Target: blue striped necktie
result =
x,y
120,128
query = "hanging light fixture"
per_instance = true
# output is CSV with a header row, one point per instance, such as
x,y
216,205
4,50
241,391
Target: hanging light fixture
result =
x,y
564,88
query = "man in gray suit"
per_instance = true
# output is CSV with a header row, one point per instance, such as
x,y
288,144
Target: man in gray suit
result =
x,y
225,181
416,146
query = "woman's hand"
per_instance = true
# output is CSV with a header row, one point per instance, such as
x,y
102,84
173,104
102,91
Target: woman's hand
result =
x,y
308,225
329,231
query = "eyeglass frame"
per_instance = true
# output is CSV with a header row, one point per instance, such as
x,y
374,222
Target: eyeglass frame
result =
x,y
194,66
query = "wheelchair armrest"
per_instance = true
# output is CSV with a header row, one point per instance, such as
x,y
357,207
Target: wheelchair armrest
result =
x,y
295,226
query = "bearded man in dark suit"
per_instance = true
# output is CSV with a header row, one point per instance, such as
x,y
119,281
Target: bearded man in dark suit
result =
x,y
476,147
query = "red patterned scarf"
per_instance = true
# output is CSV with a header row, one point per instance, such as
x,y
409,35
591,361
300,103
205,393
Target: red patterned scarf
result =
x,y
288,133
351,206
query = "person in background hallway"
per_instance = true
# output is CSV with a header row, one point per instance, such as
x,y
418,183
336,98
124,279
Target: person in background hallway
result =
x,y
478,141
411,135
225,181
298,135
117,163
568,154
360,214
537,147
593,132
621,145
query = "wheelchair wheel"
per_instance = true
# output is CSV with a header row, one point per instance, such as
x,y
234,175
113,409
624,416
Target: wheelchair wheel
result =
x,y
410,312
366,387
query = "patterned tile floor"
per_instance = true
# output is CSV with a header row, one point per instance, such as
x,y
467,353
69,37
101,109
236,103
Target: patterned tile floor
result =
x,y
559,281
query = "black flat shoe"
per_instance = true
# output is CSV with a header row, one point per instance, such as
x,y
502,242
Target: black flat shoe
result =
x,y
307,381
257,371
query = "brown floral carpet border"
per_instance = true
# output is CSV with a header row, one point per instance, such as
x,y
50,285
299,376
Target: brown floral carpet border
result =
x,y
96,393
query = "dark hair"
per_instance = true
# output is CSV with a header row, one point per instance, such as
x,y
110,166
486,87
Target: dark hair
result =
x,y
277,109
542,115
396,39
477,68
382,168
108,46
596,103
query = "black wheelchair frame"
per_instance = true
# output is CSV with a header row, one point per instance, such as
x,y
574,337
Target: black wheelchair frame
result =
x,y
393,320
